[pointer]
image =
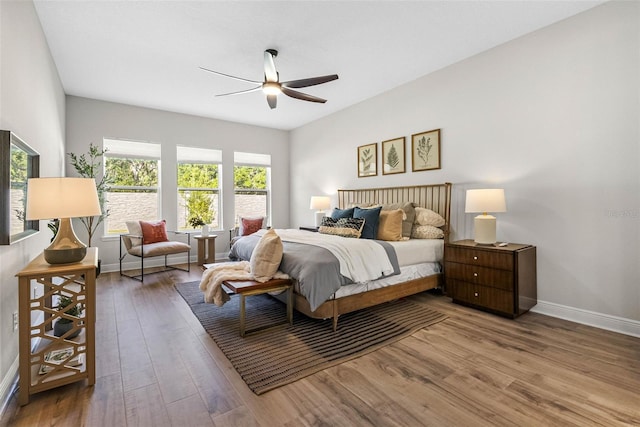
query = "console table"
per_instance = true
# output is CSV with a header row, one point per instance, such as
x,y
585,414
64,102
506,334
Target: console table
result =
x,y
47,361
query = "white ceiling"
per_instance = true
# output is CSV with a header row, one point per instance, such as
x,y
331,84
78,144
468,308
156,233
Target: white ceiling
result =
x,y
147,53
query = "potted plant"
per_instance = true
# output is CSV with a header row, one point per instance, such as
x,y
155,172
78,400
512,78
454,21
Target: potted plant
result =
x,y
89,166
196,221
63,324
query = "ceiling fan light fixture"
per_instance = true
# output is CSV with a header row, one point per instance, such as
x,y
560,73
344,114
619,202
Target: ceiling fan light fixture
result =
x,y
271,88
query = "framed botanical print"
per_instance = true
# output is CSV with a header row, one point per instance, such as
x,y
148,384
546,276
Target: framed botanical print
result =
x,y
368,160
393,156
425,150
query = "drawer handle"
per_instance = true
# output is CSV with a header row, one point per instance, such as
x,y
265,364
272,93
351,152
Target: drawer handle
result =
x,y
475,257
475,294
475,274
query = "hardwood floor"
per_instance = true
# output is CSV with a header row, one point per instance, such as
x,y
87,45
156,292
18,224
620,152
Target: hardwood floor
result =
x,y
156,366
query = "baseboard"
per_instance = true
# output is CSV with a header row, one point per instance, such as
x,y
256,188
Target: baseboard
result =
x,y
8,385
591,318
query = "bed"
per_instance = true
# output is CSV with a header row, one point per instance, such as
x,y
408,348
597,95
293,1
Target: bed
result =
x,y
417,263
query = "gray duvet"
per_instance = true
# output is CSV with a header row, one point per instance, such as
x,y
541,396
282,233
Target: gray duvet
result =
x,y
316,269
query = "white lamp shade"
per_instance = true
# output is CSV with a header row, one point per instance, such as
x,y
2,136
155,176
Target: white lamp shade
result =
x,y
320,203
485,200
49,198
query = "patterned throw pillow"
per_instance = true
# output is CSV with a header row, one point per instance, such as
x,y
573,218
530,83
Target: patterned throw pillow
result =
x,y
154,231
250,225
428,217
345,227
427,232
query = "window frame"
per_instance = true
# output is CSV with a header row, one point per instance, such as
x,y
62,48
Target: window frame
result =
x,y
115,154
267,191
216,156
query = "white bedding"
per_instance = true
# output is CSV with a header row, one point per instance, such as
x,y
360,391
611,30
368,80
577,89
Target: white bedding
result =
x,y
417,251
360,260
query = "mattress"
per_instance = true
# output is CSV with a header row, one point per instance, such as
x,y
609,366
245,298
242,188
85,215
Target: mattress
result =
x,y
418,251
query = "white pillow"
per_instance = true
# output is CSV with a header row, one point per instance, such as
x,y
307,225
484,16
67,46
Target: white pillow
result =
x,y
266,257
428,217
135,228
426,232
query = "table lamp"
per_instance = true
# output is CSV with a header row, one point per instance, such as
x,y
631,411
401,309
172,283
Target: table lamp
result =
x,y
485,200
320,204
63,198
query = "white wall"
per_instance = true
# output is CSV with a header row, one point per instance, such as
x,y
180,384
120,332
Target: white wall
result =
x,y
551,117
88,121
32,106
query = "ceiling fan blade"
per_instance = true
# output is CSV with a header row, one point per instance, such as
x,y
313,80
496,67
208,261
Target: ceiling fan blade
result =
x,y
241,92
310,82
299,95
270,73
227,75
272,100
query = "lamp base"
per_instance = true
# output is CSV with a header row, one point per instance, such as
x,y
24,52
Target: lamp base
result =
x,y
484,229
66,248
319,216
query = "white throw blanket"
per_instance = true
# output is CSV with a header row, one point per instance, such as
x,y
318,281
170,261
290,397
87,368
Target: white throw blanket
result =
x,y
361,260
212,278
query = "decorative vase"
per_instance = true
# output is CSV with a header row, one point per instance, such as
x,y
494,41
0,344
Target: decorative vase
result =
x,y
205,230
61,328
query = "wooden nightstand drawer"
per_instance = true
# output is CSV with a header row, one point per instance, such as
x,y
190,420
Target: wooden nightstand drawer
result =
x,y
502,279
483,296
491,259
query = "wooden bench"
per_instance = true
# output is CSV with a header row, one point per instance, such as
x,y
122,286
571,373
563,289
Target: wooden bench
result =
x,y
246,288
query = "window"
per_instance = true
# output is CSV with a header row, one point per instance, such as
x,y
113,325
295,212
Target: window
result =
x,y
199,172
252,185
133,168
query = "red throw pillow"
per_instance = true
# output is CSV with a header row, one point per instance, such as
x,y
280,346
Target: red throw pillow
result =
x,y
250,225
154,231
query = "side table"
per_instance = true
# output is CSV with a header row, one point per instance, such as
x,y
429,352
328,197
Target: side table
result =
x,y
48,361
206,253
500,279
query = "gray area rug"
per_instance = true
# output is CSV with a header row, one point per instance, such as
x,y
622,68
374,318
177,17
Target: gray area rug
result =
x,y
278,355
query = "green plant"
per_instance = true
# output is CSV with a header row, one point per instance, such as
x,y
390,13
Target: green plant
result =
x,y
89,166
195,221
63,302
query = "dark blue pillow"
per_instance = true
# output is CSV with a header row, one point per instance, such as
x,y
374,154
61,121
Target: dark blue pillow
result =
x,y
342,213
371,220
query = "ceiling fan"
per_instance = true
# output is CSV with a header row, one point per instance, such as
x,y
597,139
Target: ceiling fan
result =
x,y
272,85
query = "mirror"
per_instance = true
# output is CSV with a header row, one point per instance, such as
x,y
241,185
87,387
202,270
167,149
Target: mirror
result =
x,y
18,163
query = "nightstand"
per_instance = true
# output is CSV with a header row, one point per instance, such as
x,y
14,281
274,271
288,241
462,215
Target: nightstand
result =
x,y
309,228
498,279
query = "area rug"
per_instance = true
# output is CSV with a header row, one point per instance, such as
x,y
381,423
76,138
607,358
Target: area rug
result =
x,y
278,355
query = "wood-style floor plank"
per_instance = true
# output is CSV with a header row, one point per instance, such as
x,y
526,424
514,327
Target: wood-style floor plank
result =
x,y
157,366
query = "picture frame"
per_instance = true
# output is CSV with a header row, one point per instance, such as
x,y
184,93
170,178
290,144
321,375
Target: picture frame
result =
x,y
368,160
425,150
393,156
19,163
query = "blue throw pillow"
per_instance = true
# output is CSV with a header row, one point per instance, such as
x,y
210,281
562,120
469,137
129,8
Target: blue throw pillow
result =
x,y
371,220
342,213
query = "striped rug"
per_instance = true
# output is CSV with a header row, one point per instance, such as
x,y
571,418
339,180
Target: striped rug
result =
x,y
278,355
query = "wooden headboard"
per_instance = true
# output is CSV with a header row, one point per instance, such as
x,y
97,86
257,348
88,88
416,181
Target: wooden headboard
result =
x,y
436,197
